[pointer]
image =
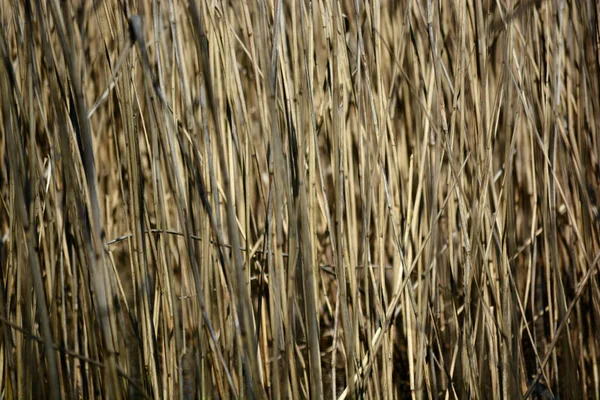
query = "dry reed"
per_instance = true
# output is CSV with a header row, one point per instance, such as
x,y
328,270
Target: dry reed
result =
x,y
311,199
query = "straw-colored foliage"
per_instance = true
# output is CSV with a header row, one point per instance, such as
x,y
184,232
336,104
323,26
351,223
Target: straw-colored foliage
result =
x,y
299,199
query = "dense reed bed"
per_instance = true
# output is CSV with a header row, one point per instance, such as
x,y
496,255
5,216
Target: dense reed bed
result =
x,y
299,199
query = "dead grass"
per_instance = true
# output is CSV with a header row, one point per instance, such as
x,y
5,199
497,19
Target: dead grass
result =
x,y
312,199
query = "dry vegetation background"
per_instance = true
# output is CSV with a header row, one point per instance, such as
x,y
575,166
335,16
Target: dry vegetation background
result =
x,y
299,199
